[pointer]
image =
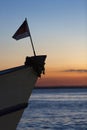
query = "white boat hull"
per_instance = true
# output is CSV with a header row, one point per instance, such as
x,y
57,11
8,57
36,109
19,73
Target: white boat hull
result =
x,y
20,83
16,86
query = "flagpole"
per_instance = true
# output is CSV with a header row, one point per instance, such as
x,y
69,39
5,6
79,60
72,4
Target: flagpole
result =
x,y
31,39
32,45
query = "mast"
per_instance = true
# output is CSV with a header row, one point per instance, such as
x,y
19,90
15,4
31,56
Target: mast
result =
x,y
31,40
32,45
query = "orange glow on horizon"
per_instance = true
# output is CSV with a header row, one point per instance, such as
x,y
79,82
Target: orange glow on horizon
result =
x,y
57,78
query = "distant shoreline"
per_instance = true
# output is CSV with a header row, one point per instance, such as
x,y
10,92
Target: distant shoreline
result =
x,y
59,87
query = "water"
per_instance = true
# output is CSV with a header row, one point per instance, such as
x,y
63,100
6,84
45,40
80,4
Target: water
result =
x,y
56,109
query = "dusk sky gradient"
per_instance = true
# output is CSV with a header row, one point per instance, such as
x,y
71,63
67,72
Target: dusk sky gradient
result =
x,y
58,29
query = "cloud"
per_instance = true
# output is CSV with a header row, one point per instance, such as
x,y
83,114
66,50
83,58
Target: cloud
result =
x,y
76,70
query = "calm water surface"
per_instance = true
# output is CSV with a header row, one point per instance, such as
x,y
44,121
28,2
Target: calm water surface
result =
x,y
56,109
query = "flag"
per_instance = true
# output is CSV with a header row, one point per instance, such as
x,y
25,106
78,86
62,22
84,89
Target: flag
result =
x,y
22,32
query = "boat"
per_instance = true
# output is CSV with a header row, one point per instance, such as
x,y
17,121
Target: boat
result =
x,y
17,83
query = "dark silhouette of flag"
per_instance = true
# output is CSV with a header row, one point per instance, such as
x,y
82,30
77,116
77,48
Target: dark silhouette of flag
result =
x,y
22,32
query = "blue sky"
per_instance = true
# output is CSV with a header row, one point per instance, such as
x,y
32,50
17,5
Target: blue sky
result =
x,y
58,29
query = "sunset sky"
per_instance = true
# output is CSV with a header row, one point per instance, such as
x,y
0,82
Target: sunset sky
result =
x,y
58,29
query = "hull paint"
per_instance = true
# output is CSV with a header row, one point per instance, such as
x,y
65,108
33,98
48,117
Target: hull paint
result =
x,y
16,85
20,83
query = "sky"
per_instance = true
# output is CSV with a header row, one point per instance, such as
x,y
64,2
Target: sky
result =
x,y
58,29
